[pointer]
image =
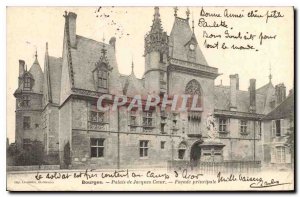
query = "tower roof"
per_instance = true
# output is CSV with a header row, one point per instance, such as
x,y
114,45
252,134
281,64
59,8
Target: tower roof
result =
x,y
156,25
37,75
181,36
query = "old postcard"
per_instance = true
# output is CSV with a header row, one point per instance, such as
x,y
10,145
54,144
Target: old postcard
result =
x,y
150,99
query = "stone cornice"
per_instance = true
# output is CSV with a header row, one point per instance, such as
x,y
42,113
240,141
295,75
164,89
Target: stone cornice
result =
x,y
236,114
192,68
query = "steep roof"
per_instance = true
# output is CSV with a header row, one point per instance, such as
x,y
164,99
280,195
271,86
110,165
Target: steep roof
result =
x,y
283,110
35,72
55,65
222,100
133,86
264,89
37,75
180,36
84,57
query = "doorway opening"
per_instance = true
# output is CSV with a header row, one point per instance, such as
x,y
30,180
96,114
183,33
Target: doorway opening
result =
x,y
195,154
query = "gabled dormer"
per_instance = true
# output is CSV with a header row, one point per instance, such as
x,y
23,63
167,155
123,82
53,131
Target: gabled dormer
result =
x,y
101,73
28,81
191,46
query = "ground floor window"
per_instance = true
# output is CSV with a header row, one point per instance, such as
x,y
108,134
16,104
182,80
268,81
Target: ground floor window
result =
x,y
144,148
97,147
181,151
162,144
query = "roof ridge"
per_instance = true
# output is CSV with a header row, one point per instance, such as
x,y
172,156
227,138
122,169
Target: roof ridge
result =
x,y
86,38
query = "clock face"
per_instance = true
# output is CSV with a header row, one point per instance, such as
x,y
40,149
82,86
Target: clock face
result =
x,y
192,47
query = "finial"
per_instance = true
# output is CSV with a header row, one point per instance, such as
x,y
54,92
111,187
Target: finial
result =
x,y
35,53
103,38
103,50
46,46
193,26
132,67
188,13
156,13
270,73
26,67
175,11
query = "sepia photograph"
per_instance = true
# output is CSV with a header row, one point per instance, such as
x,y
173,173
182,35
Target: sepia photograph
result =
x,y
156,98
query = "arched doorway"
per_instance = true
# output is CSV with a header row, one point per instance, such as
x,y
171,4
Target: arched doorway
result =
x,y
195,153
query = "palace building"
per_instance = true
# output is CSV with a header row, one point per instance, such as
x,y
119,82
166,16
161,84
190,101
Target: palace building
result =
x,y
57,106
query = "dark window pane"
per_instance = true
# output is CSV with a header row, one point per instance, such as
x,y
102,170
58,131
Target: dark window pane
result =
x,y
100,142
93,152
181,153
141,152
100,152
93,142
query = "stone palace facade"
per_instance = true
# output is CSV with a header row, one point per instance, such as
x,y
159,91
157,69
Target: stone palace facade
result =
x,y
57,106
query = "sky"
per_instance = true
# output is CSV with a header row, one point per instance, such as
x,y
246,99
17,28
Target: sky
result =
x,y
29,28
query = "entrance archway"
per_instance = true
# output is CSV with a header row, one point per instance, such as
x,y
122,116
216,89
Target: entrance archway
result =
x,y
195,154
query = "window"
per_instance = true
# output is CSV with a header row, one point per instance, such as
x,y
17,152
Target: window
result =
x,y
181,150
147,119
162,76
97,116
162,127
193,89
162,144
279,128
97,147
26,122
284,127
144,148
161,57
191,56
26,101
280,154
222,125
27,83
243,127
276,128
133,118
259,128
102,78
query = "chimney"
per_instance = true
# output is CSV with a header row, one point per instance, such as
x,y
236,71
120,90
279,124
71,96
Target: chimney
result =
x,y
21,69
71,25
234,83
252,91
112,42
280,93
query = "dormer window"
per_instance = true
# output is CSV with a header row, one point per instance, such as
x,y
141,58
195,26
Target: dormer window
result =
x,y
27,83
102,78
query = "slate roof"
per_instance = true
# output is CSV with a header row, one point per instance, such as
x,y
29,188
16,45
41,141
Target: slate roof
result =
x,y
84,58
222,100
55,65
133,86
283,110
36,73
180,35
